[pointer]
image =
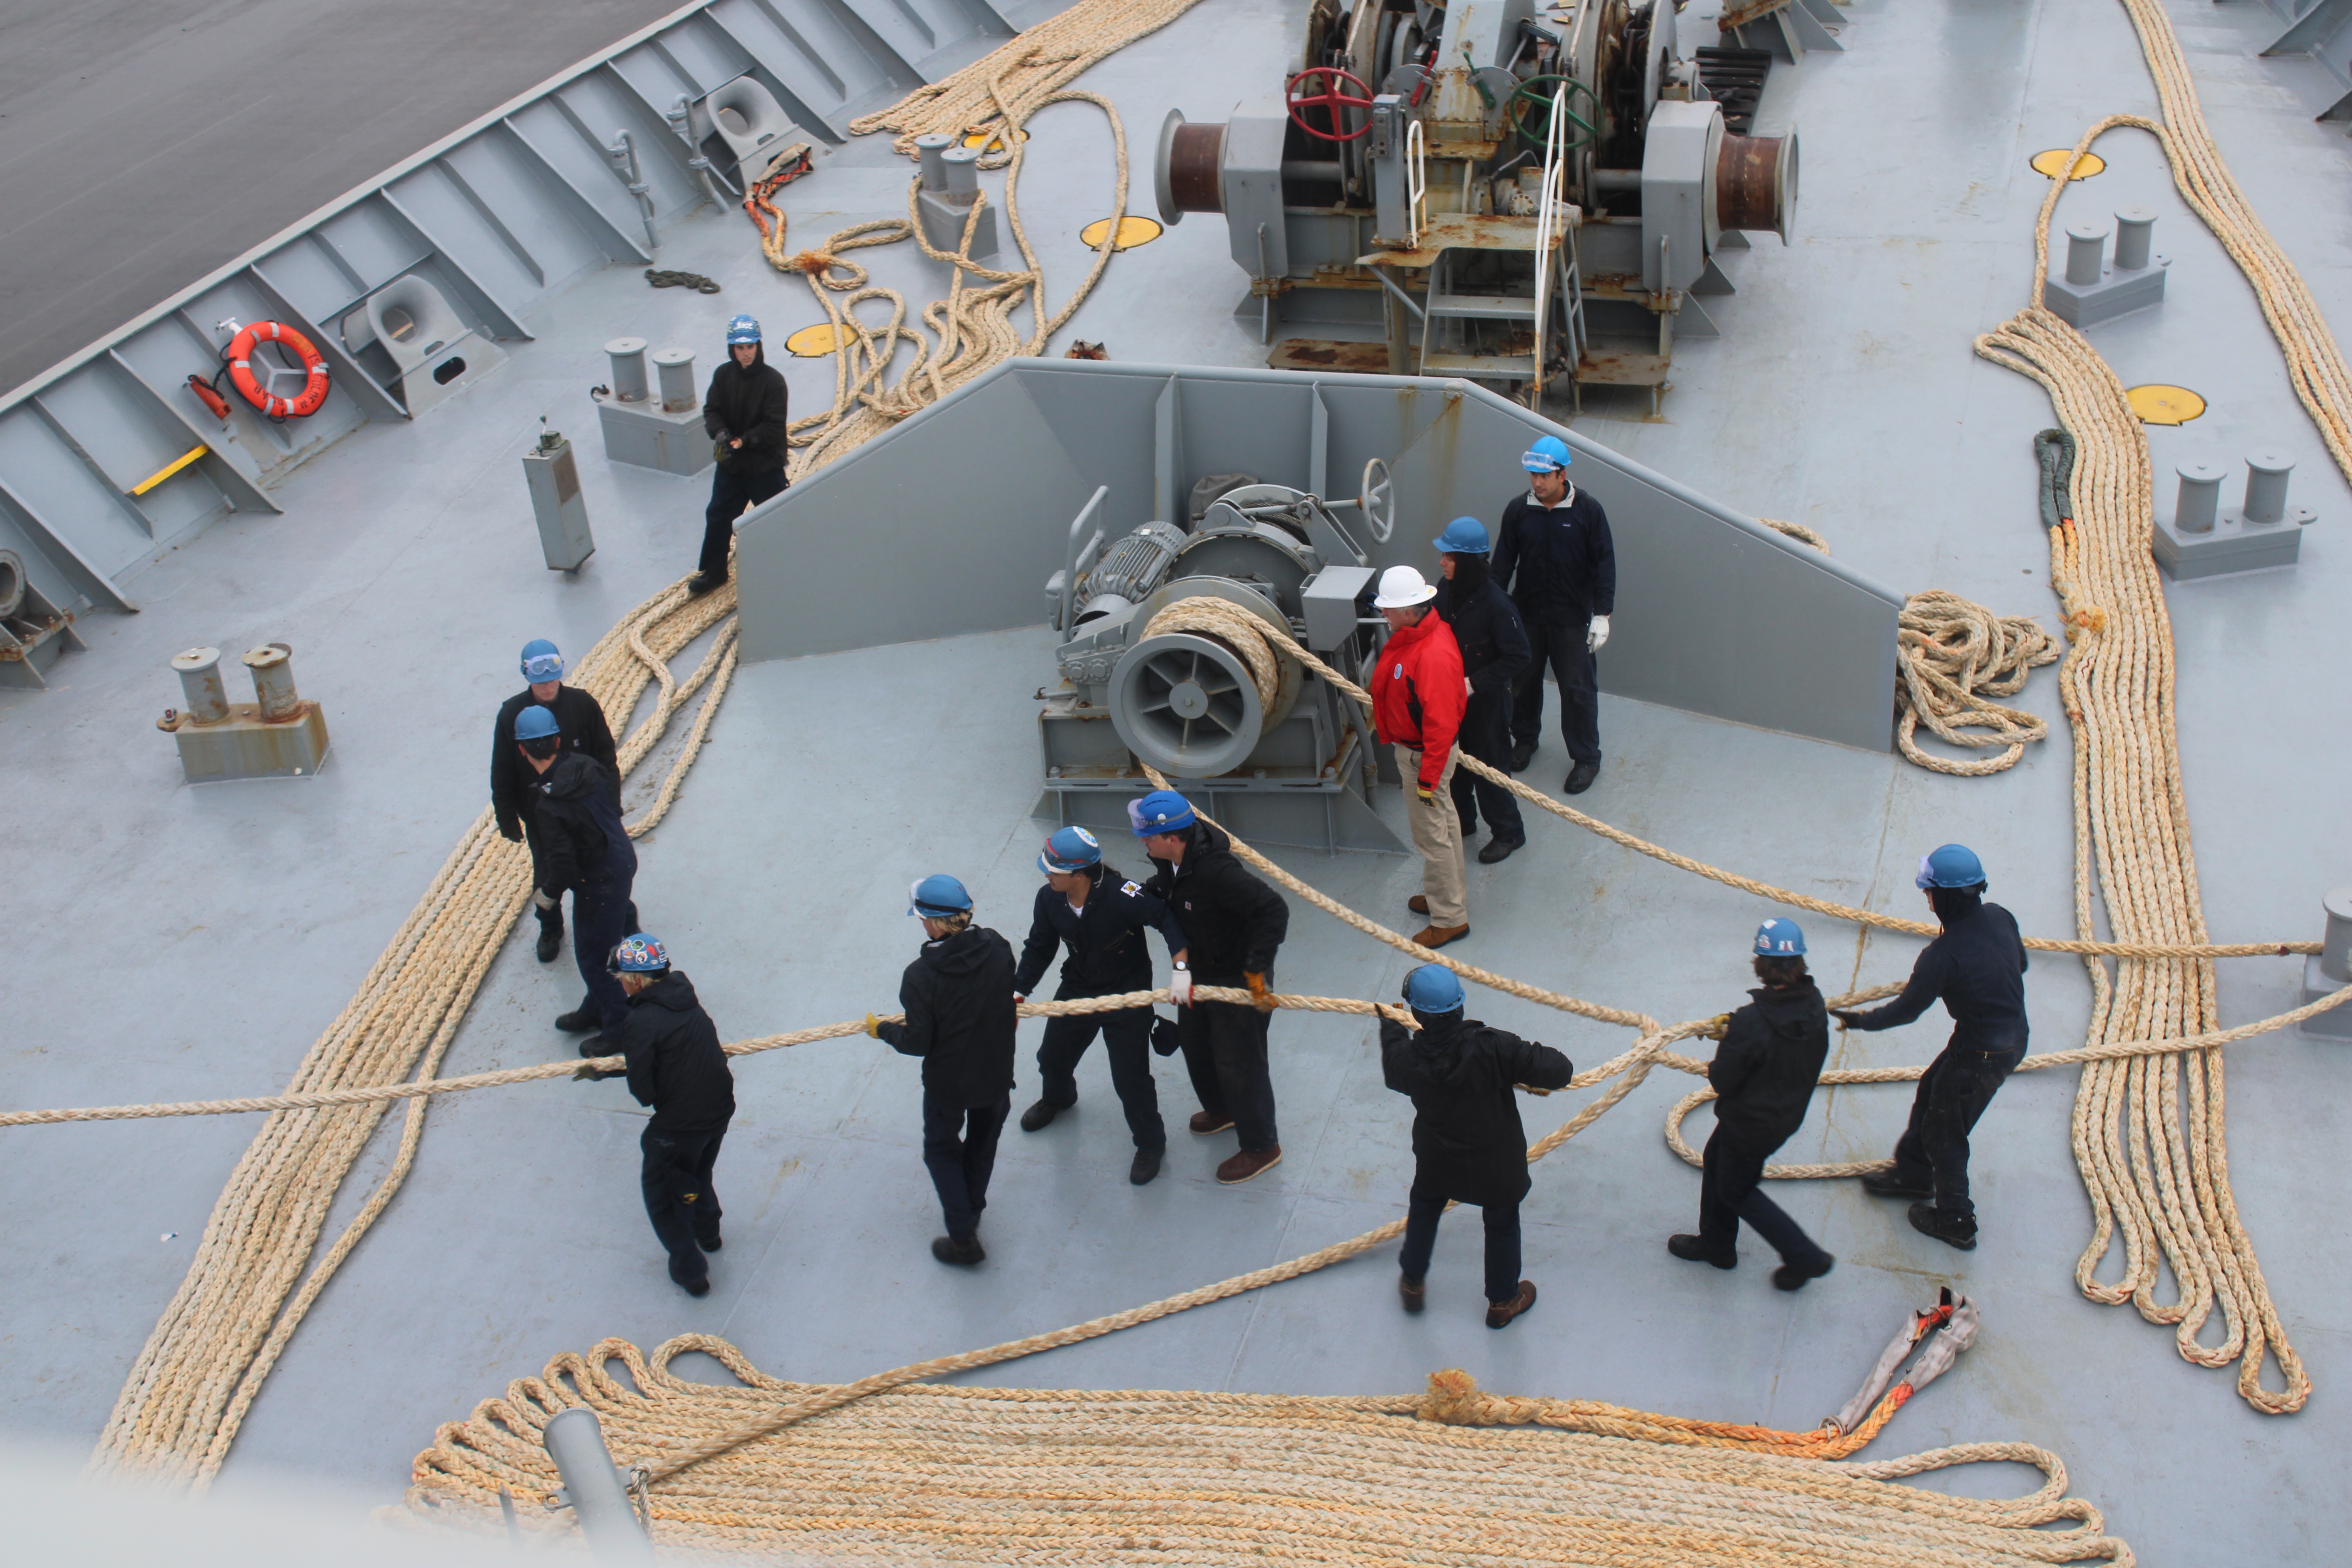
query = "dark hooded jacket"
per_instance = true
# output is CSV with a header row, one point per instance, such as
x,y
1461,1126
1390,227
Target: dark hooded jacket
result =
x,y
675,1064
580,721
1488,629
1107,954
582,841
750,402
1765,1069
1467,1141
958,999
1233,923
1977,970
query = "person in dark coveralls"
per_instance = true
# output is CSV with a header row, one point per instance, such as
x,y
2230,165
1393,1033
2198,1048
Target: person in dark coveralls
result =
x,y
748,414
1763,1073
1467,1143
1494,645
1234,925
586,850
1976,969
958,999
1101,917
581,724
676,1066
1553,551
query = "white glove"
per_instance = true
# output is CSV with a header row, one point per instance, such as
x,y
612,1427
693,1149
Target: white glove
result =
x,y
540,900
1179,987
1599,633
1468,689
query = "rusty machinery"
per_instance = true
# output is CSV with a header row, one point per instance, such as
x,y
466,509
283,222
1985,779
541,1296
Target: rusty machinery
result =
x,y
1426,165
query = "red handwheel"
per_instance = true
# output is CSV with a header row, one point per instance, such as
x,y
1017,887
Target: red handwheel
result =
x,y
1331,100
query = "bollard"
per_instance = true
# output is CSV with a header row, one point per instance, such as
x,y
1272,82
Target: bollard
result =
x,y
929,148
676,368
200,685
593,1484
2266,476
962,168
628,369
2134,234
2200,496
2086,246
273,682
2335,947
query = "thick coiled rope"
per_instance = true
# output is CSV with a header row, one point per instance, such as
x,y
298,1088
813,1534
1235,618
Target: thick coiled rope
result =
x,y
1453,1478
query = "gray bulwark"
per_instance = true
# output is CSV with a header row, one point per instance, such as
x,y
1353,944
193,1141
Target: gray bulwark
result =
x,y
952,521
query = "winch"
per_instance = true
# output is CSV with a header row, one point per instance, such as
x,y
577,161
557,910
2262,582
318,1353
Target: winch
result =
x,y
1515,198
1165,662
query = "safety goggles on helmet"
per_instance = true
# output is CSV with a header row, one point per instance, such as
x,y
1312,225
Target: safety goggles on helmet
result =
x,y
1069,849
543,667
1161,811
1547,456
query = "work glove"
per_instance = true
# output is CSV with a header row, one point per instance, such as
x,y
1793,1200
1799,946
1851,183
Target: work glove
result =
x,y
1845,1019
510,829
587,1072
1179,987
1717,1026
1260,996
1598,634
541,901
1468,689
873,1026
1427,795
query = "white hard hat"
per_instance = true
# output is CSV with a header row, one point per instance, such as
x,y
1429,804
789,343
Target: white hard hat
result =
x,y
1402,587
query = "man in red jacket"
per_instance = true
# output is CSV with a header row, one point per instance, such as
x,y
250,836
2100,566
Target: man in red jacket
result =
x,y
1418,696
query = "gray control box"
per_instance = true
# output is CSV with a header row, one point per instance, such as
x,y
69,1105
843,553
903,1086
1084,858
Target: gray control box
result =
x,y
555,500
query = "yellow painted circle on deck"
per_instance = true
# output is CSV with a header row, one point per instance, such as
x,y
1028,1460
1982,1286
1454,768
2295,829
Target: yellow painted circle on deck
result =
x,y
2050,164
993,140
1132,231
2159,404
813,343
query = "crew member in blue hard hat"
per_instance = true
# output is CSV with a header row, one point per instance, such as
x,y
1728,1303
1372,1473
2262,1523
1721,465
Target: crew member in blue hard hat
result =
x,y
584,848
1494,645
1467,1143
1100,916
1418,696
1554,553
958,999
748,415
580,721
676,1065
1976,969
1234,925
1763,1074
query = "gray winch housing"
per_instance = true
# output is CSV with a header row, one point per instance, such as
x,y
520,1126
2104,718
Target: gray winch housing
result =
x,y
1185,702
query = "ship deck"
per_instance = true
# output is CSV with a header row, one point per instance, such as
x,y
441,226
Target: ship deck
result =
x,y
178,942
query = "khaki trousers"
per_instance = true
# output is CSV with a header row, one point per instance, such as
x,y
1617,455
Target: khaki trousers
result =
x,y
1437,834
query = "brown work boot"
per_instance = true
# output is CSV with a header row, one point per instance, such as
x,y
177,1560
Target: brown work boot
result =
x,y
1436,937
1418,904
1247,1164
1415,1293
1207,1121
1500,1314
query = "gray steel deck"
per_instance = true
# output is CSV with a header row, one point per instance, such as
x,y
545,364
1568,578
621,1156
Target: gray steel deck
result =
x,y
180,942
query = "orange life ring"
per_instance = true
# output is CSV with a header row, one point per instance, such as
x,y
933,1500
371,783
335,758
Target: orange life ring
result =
x,y
240,370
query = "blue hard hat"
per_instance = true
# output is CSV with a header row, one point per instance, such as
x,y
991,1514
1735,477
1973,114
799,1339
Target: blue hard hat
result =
x,y
1464,536
1547,456
1433,988
639,954
536,723
937,895
1161,811
541,660
742,329
1779,938
1953,865
1069,849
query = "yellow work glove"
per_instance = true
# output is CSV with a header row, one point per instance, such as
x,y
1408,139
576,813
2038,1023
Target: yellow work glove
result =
x,y
873,1026
1717,1027
1259,995
1428,796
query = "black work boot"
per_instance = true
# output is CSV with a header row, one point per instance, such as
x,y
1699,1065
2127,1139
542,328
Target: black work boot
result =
x,y
1580,778
550,940
1039,1116
1145,1166
1694,1249
707,581
966,1251
1521,755
1892,1183
1413,1293
1792,1276
1498,849
1951,1229
581,1019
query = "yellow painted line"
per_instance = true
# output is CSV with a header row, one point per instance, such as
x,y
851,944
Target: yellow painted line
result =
x,y
1132,231
989,141
2050,164
2161,404
173,467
